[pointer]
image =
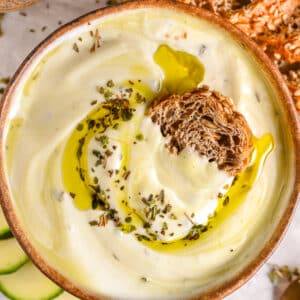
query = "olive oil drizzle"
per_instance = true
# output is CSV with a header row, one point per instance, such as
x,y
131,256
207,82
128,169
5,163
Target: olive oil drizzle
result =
x,y
75,164
182,72
228,203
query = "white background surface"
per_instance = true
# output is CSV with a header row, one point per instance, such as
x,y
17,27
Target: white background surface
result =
x,y
18,41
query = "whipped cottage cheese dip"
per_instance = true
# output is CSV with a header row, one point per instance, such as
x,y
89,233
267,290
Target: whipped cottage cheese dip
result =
x,y
116,256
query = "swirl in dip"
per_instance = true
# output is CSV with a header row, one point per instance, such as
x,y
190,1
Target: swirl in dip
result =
x,y
101,197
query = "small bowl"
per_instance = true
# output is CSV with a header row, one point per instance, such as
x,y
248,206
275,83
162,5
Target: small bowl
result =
x,y
15,4
217,290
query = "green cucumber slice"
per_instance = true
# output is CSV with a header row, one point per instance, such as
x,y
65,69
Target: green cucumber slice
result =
x,y
66,296
4,228
28,283
12,256
7,235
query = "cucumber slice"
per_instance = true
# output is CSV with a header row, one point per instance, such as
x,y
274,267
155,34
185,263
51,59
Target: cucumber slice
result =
x,y
28,283
7,235
12,256
4,228
66,296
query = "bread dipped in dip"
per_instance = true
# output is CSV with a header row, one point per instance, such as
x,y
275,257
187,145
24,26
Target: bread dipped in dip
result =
x,y
207,122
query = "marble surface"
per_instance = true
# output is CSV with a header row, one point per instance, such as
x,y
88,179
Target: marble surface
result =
x,y
18,40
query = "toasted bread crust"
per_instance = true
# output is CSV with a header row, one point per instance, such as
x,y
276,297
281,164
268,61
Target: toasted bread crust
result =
x,y
206,121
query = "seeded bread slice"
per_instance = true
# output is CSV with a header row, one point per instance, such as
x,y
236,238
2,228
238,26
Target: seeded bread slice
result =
x,y
206,121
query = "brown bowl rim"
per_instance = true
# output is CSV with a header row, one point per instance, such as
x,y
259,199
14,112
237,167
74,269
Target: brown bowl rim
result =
x,y
271,72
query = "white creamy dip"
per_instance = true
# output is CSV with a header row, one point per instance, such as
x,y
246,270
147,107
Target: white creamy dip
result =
x,y
60,91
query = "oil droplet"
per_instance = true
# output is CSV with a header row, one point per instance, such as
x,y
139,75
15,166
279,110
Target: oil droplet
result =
x,y
11,139
37,70
183,71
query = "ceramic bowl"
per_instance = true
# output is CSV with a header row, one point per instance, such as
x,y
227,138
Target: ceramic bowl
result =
x,y
220,289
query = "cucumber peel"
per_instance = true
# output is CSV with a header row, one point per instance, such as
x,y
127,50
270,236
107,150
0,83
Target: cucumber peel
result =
x,y
6,235
28,283
66,296
4,228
